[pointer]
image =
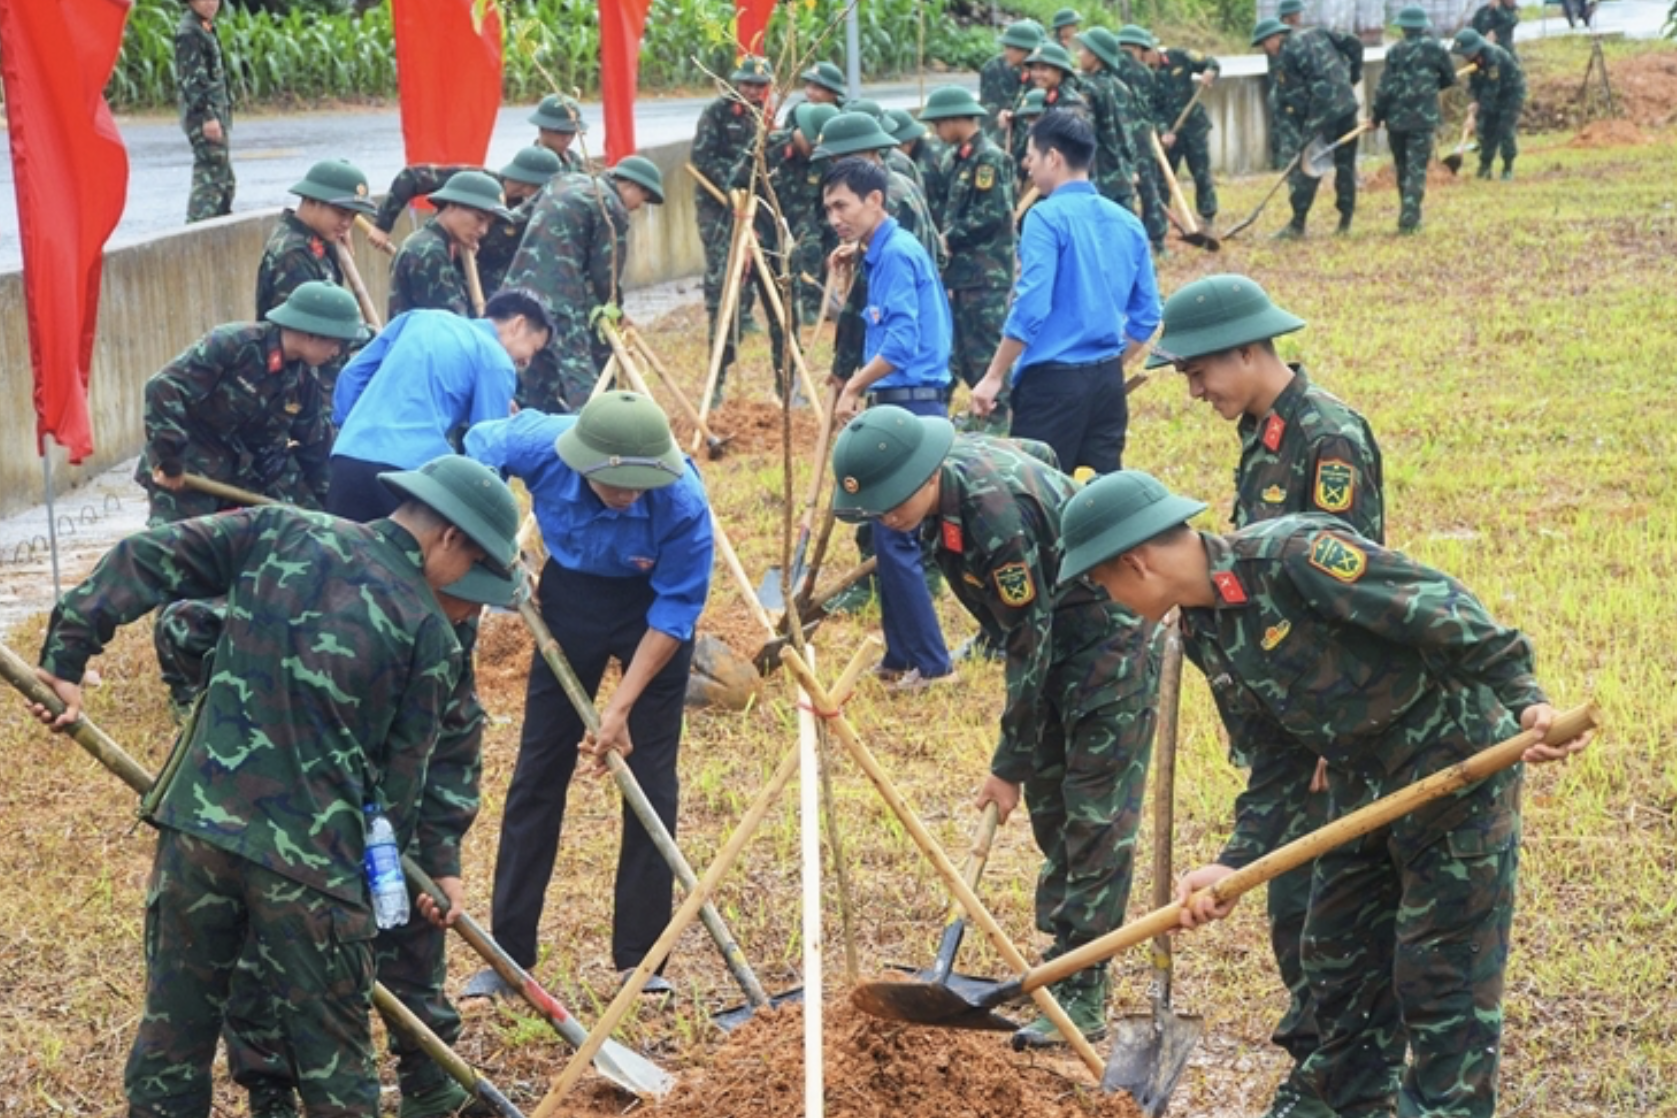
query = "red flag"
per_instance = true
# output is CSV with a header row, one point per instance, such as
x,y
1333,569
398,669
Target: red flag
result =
x,y
751,21
448,69
72,182
621,24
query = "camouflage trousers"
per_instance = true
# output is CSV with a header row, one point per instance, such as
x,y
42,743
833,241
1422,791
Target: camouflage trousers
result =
x,y
1090,769
204,907
716,232
212,177
1117,187
1194,145
1411,152
1151,191
978,314
1406,942
1301,188
185,636
809,259
1495,129
561,376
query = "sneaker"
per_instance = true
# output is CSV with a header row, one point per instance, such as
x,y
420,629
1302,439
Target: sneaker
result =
x,y
487,984
1292,231
442,1101
912,681
887,675
1083,997
656,987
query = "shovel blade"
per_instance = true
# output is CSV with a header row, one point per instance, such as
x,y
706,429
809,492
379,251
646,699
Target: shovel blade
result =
x,y
769,593
974,988
632,1071
733,1017
926,1003
1453,161
1148,1057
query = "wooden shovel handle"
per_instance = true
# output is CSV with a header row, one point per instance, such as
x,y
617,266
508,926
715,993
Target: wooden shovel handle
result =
x,y
1175,187
224,491
352,276
474,281
1182,117
363,223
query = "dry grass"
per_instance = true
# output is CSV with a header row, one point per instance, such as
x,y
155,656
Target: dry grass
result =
x,y
1515,361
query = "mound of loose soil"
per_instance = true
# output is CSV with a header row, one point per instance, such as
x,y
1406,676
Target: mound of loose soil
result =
x,y
1386,177
877,1069
1609,134
1644,94
751,427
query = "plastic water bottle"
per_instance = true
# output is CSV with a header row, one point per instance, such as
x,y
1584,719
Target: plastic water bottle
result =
x,y
385,879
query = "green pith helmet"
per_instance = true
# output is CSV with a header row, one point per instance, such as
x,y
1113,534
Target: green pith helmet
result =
x,y
337,182
622,439
950,101
486,588
322,309
1289,8
558,114
533,166
641,171
865,105
470,496
810,118
1103,44
1469,43
752,71
883,456
1135,35
474,190
1034,104
1413,19
903,127
1023,34
850,133
827,76
1116,513
1066,17
1267,28
1052,54
1218,313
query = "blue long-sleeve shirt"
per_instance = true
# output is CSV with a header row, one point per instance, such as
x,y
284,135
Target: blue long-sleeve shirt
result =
x,y
1085,270
907,319
426,374
665,536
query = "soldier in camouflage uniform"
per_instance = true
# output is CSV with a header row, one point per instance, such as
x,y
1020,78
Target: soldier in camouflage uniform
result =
x,y
812,237
1498,88
1302,450
1111,109
430,272
1496,21
1406,102
978,228
1053,72
572,257
1314,82
1065,24
1030,108
243,407
923,154
1136,46
824,85
206,110
1323,644
261,827
559,122
1004,79
1082,677
894,159
1178,73
728,128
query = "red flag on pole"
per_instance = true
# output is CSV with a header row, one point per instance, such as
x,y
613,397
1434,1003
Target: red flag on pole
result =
x,y
448,70
72,182
751,22
621,24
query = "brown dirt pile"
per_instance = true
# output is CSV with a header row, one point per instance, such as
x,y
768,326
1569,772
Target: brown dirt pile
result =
x,y
1609,134
876,1069
751,427
1386,177
1644,94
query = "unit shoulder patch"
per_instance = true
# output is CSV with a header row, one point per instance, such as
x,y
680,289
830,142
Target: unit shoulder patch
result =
x,y
1339,558
1335,484
985,178
1014,584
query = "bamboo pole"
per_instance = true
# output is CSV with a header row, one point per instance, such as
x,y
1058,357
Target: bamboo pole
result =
x,y
352,274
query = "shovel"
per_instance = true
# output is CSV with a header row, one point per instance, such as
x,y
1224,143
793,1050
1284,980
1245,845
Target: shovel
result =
x,y
1453,161
1247,222
1318,156
1150,1052
771,592
920,1003
1189,231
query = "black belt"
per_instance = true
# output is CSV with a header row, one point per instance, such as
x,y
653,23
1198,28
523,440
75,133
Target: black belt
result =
x,y
1082,366
900,395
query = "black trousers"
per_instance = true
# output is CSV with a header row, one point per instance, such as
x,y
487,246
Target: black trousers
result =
x,y
357,494
594,619
1079,410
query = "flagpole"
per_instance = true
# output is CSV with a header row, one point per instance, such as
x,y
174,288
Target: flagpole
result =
x,y
52,516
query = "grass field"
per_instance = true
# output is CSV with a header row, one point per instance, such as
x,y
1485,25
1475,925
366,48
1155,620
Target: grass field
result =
x,y
1516,362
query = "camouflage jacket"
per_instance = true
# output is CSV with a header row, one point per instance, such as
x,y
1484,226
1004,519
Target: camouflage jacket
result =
x,y
1311,453
428,274
797,187
1174,83
1324,641
978,216
1417,70
329,677
1000,86
234,410
929,156
294,255
1067,97
494,255
1111,111
1495,19
449,804
573,247
200,74
1497,82
727,130
904,166
1139,78
1313,83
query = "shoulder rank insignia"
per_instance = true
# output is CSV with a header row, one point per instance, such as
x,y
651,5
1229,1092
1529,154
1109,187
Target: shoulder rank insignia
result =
x,y
1335,484
1274,495
1273,430
1275,634
1013,583
952,537
985,178
966,150
1332,555
317,247
276,360
1228,585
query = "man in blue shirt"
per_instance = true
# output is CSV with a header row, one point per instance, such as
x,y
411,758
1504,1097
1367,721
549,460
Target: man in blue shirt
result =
x,y
1084,261
628,532
905,361
405,397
